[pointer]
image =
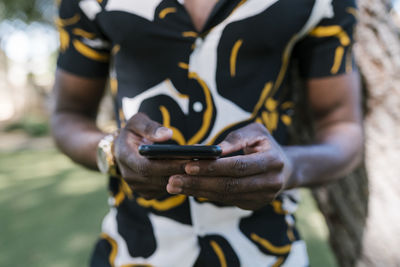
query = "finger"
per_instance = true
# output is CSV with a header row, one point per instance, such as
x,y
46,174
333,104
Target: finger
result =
x,y
135,179
244,137
182,184
129,160
248,201
211,196
146,187
237,166
153,183
151,168
148,191
143,126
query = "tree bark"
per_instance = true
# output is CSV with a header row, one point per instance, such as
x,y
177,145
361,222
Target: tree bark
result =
x,y
378,55
362,213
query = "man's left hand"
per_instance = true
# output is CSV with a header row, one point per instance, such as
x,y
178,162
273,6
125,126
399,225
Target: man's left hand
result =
x,y
249,181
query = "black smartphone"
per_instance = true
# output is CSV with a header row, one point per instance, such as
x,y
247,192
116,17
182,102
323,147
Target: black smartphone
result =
x,y
163,151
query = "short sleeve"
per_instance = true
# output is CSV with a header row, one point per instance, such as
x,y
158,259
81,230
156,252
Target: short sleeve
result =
x,y
327,49
84,50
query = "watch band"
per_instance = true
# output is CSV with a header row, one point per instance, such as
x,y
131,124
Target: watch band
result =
x,y
105,157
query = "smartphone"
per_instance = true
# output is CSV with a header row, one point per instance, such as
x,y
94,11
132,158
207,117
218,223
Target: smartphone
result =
x,y
161,151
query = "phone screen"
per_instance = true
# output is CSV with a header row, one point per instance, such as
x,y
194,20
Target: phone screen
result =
x,y
160,151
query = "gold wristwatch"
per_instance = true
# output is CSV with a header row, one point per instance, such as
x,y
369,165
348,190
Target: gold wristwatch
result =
x,y
105,156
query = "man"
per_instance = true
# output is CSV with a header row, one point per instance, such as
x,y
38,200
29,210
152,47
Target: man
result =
x,y
206,72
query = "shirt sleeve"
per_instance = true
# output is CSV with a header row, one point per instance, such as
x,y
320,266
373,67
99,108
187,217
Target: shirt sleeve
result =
x,y
327,49
84,49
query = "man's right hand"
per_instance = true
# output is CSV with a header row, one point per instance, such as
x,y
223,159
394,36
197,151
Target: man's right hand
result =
x,y
148,178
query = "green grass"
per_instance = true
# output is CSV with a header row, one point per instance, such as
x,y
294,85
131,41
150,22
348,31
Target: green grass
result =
x,y
33,125
314,231
51,212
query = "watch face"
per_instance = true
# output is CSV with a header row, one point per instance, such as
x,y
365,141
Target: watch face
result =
x,y
105,158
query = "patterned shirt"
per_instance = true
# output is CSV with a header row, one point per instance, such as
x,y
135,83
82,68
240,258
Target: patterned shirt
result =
x,y
202,85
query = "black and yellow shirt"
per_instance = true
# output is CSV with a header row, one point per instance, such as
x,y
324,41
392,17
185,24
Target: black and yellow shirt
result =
x,y
203,85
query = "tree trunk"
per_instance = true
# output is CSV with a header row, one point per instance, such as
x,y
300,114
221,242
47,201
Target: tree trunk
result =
x,y
362,213
378,55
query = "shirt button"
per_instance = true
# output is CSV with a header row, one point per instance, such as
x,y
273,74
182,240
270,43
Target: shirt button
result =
x,y
198,106
199,42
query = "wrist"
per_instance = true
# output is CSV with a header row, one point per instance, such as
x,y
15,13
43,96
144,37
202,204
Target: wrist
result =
x,y
293,174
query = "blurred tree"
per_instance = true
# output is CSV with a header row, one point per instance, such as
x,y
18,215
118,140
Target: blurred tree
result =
x,y
34,10
26,94
362,213
378,54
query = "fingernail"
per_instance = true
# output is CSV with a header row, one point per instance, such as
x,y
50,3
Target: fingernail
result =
x,y
176,181
223,144
162,132
173,190
192,169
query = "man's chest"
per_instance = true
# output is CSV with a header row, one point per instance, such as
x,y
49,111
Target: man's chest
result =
x,y
199,11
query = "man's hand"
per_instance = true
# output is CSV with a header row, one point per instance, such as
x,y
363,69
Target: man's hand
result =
x,y
146,177
250,181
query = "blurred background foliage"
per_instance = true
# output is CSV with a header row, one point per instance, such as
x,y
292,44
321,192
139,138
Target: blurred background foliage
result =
x,y
27,11
28,49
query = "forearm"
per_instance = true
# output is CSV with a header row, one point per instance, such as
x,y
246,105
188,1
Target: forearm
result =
x,y
77,136
338,150
73,120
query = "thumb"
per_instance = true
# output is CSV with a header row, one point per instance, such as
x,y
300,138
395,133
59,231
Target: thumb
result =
x,y
145,127
245,138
